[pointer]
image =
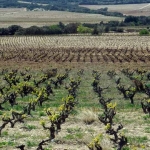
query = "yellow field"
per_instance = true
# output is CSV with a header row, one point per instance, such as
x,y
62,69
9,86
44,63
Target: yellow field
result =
x,y
9,16
128,9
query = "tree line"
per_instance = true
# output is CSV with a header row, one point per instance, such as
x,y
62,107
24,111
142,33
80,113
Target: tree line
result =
x,y
73,28
90,2
69,5
58,6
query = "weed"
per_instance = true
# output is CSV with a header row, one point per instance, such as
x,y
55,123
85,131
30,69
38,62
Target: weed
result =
x,y
5,133
147,130
41,113
31,144
1,113
138,139
9,143
31,127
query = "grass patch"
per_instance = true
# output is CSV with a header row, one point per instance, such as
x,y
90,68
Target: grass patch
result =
x,y
147,130
31,127
74,133
73,136
1,113
4,133
137,140
68,137
4,144
146,119
31,144
41,113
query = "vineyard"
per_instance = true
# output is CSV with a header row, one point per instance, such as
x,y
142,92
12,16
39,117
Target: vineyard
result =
x,y
75,93
107,48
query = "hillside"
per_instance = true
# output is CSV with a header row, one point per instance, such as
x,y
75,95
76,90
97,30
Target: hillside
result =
x,y
126,9
68,5
90,1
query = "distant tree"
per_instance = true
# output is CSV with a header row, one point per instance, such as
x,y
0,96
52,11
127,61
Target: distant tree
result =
x,y
101,28
107,29
4,31
101,23
113,29
113,23
20,31
71,28
95,31
46,30
82,29
33,30
61,25
55,29
13,28
144,32
120,30
129,19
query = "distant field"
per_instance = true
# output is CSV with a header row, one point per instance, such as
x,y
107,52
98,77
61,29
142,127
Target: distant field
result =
x,y
41,18
128,9
24,2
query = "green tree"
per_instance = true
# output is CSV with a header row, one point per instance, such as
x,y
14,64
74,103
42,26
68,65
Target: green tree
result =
x,y
95,31
107,29
71,28
33,30
82,29
55,29
144,32
12,29
4,31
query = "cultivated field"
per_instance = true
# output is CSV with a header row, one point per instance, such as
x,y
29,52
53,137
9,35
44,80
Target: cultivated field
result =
x,y
106,49
82,125
127,9
60,92
25,18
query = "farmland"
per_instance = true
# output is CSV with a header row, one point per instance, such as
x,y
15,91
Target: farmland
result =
x,y
54,90
127,9
106,49
75,91
11,16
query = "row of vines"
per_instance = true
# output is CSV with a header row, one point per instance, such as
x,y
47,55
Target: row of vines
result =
x,y
77,55
24,93
76,49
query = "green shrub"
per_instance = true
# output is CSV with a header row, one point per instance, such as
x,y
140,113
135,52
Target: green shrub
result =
x,y
144,32
82,29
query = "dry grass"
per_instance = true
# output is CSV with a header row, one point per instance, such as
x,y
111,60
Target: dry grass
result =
x,y
41,18
87,116
127,9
